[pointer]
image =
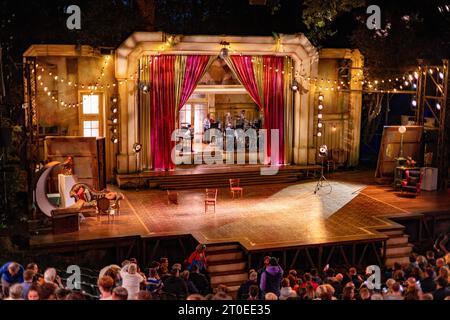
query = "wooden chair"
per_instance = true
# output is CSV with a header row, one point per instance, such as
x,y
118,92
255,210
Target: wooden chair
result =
x,y
235,188
211,199
172,197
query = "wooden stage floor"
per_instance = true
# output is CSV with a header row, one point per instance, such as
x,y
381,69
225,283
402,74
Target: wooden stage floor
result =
x,y
268,217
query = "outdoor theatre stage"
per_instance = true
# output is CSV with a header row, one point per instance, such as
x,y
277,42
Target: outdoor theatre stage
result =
x,y
268,217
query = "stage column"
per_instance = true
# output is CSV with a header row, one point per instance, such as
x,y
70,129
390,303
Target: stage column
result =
x,y
126,162
354,125
304,114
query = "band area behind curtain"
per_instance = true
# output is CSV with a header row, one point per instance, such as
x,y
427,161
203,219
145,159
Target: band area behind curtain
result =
x,y
171,80
267,79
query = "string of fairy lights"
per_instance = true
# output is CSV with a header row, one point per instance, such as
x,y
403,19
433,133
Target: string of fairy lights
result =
x,y
44,71
407,81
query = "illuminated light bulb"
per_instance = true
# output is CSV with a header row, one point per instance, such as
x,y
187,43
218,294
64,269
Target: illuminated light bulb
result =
x,y
414,103
115,100
45,89
416,75
320,125
431,71
334,129
410,77
49,93
320,116
320,107
406,83
438,106
441,75
415,86
321,97
39,77
69,83
319,134
56,78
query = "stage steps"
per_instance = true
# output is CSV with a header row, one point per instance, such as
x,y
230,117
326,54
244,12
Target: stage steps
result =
x,y
214,177
226,266
398,249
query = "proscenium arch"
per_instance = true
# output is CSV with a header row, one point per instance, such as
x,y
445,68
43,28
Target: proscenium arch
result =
x,y
298,47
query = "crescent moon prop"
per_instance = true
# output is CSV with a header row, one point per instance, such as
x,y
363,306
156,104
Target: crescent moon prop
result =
x,y
40,191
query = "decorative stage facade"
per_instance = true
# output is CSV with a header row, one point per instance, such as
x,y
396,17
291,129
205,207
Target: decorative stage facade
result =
x,y
154,84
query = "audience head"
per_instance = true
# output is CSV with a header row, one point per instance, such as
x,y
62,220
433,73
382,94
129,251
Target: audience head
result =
x,y
120,293
376,296
33,267
13,268
105,284
132,268
352,271
348,293
75,296
28,275
441,282
195,297
50,275
48,291
144,295
176,268
16,292
270,296
285,283
426,296
325,292
195,268
253,276
253,292
185,275
273,261
440,262
34,292
61,294
164,262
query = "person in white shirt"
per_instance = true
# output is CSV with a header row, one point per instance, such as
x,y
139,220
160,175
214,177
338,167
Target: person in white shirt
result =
x,y
131,280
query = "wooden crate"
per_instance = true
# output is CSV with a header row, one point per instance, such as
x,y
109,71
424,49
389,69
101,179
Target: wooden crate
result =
x,y
88,155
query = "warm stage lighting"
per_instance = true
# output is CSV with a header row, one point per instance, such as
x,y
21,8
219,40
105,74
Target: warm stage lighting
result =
x,y
438,106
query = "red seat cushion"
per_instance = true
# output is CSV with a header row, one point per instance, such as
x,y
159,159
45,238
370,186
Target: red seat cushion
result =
x,y
80,194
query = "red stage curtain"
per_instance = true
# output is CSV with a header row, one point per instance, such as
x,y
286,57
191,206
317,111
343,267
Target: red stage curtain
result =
x,y
195,69
274,101
163,102
162,113
243,66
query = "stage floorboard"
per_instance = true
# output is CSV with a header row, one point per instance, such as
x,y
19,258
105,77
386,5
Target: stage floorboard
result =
x,y
268,216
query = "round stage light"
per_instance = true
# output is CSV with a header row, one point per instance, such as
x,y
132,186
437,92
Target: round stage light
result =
x,y
320,116
402,129
438,106
320,107
137,147
319,134
323,151
414,103
320,125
